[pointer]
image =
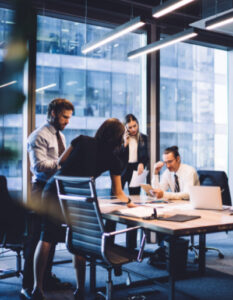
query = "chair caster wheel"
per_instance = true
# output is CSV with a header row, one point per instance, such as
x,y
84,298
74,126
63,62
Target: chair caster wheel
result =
x,y
220,255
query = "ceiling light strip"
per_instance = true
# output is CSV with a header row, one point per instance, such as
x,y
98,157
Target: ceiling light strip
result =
x,y
219,21
176,38
114,34
168,7
8,83
46,87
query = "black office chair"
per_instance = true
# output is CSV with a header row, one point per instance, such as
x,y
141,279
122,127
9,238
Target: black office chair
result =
x,y
87,234
213,178
12,228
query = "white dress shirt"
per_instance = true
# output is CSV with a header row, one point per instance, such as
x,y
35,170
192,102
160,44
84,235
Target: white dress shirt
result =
x,y
187,176
42,147
133,149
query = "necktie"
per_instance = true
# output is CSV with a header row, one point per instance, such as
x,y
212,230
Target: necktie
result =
x,y
61,147
177,186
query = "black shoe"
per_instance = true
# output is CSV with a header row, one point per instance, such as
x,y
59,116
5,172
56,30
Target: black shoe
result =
x,y
79,294
54,283
25,294
37,295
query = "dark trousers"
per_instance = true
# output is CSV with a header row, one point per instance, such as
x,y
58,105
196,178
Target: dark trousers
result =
x,y
127,176
131,237
34,230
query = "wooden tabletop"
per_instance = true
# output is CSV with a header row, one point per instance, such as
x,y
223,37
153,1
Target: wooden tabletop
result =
x,y
209,221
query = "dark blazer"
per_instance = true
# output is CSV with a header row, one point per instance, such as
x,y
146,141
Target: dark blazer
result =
x,y
143,156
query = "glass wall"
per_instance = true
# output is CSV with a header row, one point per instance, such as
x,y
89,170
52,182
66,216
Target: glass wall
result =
x,y
193,104
102,84
11,123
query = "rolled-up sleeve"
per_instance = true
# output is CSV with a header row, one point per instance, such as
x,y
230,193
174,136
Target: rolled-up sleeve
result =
x,y
40,158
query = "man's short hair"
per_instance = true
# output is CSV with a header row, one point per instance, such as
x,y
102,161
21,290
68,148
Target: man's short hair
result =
x,y
172,149
58,105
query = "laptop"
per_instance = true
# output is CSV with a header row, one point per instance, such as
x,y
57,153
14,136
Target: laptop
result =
x,y
206,197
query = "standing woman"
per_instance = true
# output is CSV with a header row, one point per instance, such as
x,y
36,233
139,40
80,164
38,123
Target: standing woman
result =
x,y
134,152
86,156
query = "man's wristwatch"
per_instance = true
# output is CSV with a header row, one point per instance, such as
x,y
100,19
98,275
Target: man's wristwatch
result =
x,y
129,201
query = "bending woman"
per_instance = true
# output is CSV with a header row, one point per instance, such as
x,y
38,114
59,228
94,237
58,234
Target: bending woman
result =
x,y
87,156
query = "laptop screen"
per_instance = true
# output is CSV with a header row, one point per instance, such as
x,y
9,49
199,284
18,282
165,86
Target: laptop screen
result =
x,y
206,197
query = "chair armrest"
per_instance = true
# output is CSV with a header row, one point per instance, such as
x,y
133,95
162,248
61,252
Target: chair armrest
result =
x,y
108,234
113,233
141,249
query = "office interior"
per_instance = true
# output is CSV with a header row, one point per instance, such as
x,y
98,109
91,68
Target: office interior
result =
x,y
182,94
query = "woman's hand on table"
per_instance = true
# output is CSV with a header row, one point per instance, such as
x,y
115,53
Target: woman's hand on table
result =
x,y
131,205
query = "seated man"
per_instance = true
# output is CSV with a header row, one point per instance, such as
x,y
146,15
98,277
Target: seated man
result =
x,y
177,177
174,184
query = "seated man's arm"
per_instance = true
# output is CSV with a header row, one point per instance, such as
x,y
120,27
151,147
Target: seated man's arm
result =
x,y
164,181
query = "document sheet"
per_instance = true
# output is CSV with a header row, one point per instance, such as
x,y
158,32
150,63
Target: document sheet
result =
x,y
137,180
139,211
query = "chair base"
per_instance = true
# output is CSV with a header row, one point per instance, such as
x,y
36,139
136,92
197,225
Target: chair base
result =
x,y
195,249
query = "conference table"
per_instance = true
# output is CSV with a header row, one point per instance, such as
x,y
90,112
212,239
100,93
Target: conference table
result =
x,y
210,221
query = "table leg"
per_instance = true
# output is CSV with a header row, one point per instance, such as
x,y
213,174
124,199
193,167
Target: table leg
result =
x,y
92,276
171,280
202,249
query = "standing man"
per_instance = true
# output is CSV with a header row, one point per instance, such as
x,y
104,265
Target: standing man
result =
x,y
177,177
174,184
45,145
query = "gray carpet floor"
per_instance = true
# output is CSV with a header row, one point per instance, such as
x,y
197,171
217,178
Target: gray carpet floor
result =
x,y
216,284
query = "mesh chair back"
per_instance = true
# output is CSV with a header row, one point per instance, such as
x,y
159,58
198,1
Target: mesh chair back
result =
x,y
12,216
216,178
79,204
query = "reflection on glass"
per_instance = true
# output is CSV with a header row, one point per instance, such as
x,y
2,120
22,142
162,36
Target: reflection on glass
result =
x,y
193,104
10,124
102,84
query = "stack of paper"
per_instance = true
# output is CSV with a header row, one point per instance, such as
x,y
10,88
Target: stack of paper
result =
x,y
139,211
137,180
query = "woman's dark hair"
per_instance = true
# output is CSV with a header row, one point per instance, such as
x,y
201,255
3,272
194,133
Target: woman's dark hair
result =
x,y
129,118
58,105
111,133
172,149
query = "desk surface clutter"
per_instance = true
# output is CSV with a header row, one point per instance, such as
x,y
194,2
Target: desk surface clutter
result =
x,y
201,220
